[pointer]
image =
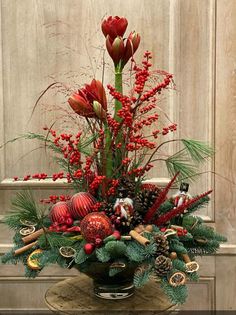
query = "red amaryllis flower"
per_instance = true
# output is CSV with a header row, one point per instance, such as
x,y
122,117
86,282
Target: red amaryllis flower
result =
x,y
114,26
90,101
122,50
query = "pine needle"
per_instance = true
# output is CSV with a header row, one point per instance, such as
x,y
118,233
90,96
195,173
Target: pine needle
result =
x,y
180,163
199,151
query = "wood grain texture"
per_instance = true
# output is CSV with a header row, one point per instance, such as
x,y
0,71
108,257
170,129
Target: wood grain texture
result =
x,y
226,118
75,296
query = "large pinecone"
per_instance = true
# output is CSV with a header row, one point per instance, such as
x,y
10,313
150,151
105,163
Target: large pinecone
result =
x,y
162,245
129,186
145,199
162,265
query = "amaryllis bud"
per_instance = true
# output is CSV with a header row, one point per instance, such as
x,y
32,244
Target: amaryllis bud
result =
x,y
82,101
99,111
114,26
115,49
80,105
131,46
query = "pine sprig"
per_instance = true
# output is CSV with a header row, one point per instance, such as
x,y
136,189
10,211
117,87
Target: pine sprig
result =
x,y
102,254
177,295
180,163
24,208
142,276
198,150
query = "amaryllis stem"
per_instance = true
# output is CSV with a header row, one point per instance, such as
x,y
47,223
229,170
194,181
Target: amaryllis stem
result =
x,y
119,88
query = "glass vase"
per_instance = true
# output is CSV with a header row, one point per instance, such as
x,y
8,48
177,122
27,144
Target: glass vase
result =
x,y
115,287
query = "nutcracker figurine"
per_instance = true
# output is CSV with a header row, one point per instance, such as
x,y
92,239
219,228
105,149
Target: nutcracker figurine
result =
x,y
124,205
182,196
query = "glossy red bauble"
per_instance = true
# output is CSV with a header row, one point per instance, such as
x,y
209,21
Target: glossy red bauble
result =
x,y
59,212
95,226
81,204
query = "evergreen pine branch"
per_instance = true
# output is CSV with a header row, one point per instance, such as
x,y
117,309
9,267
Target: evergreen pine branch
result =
x,y
203,202
31,273
177,295
54,240
116,248
180,163
198,151
135,251
81,256
141,276
102,254
177,246
24,208
179,265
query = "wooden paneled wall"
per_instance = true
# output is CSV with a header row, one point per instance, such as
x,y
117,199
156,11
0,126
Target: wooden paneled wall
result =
x,y
60,41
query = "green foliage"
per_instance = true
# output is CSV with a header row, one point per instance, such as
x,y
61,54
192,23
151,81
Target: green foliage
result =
x,y
203,202
177,246
179,162
102,254
177,295
54,240
165,207
198,151
81,256
52,256
187,160
137,252
30,273
142,276
179,265
116,248
134,251
24,207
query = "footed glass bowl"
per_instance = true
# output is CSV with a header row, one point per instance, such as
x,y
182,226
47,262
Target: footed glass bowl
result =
x,y
117,285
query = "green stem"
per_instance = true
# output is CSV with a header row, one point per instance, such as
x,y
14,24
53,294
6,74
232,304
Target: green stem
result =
x,y
119,88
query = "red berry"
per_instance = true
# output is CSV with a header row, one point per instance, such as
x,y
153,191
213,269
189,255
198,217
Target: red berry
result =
x,y
88,248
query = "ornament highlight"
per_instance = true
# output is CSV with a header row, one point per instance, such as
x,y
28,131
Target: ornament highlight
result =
x,y
95,226
59,212
81,204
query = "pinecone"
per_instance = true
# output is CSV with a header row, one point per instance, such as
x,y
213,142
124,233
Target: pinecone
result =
x,y
162,245
162,265
145,199
136,219
129,186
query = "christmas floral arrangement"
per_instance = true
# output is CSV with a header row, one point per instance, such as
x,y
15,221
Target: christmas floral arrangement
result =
x,y
115,227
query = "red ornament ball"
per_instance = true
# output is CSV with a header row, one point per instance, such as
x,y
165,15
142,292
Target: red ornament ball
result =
x,y
88,248
95,226
81,204
59,212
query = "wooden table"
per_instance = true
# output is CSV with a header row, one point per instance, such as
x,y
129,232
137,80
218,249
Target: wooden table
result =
x,y
75,296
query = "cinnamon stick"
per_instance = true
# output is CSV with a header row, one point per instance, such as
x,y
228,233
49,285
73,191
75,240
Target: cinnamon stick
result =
x,y
139,238
33,236
24,248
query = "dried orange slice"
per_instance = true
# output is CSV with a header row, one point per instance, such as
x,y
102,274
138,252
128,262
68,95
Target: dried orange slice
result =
x,y
27,230
67,251
34,263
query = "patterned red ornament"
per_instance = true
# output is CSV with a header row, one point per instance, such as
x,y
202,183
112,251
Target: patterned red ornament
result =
x,y
59,212
94,226
81,204
88,248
